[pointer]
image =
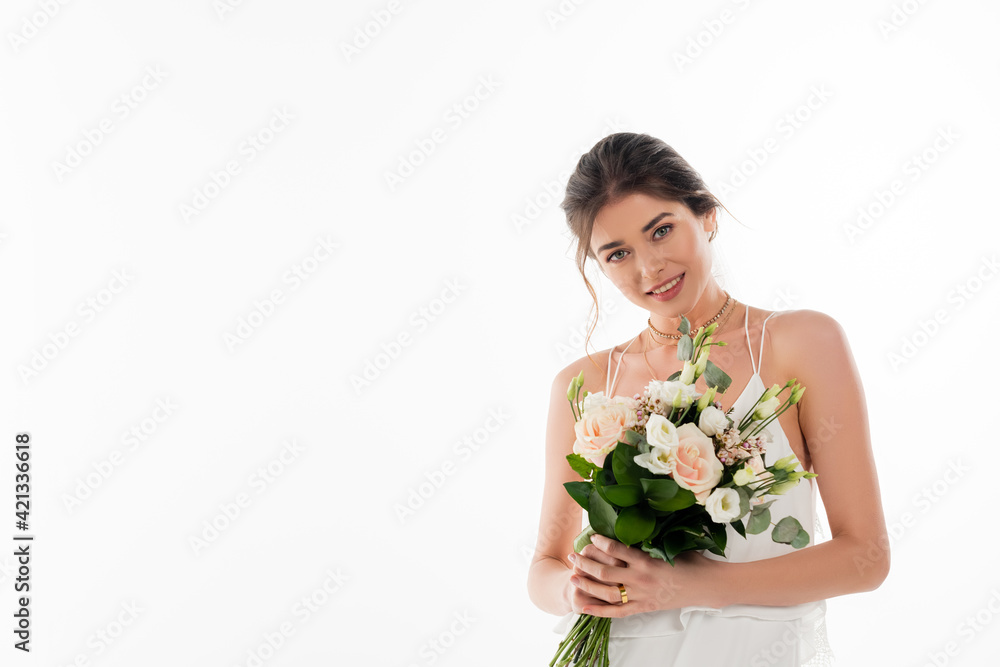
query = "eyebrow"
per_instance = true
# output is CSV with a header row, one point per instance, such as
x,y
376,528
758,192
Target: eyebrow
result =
x,y
646,228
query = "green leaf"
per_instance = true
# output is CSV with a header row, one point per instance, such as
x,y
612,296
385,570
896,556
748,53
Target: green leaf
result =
x,y
633,437
786,530
580,492
602,516
685,349
634,524
663,493
801,540
583,539
716,377
739,528
719,535
623,495
626,470
744,500
685,327
677,542
582,466
759,521
655,552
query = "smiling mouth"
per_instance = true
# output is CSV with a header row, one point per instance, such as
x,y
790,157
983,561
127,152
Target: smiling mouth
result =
x,y
666,286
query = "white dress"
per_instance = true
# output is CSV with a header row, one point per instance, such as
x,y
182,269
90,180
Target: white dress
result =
x,y
741,634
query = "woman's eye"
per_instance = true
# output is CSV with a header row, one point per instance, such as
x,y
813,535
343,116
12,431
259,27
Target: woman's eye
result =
x,y
611,257
664,227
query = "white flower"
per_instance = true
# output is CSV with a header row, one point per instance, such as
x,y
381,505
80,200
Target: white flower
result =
x,y
712,421
723,505
659,460
766,408
668,391
660,432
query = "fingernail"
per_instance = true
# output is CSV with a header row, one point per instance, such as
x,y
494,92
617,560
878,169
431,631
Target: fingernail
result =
x,y
572,558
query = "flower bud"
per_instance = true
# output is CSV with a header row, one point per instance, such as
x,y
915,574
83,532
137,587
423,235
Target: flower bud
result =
x,y
706,399
786,463
688,374
744,476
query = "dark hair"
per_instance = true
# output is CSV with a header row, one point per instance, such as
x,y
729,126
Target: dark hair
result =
x,y
619,165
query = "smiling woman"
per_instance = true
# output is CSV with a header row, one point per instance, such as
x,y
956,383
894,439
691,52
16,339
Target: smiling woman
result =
x,y
644,215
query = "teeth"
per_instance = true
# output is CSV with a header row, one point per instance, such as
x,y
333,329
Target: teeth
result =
x,y
667,286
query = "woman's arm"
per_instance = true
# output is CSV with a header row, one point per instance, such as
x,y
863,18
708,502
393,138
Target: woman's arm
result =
x,y
561,518
834,420
833,416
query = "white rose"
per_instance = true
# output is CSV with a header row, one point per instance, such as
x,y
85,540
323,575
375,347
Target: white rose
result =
x,y
723,505
659,460
712,421
668,391
660,432
766,408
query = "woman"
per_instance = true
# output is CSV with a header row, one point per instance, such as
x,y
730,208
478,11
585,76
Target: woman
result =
x,y
645,217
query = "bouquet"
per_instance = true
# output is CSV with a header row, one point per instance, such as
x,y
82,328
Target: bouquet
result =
x,y
668,470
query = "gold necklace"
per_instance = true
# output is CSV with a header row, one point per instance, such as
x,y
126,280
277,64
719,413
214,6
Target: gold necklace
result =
x,y
693,329
719,328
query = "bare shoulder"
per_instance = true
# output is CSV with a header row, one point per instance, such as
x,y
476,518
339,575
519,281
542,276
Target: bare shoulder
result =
x,y
594,369
807,341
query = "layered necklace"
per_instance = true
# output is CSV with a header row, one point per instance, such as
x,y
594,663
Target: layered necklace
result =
x,y
653,330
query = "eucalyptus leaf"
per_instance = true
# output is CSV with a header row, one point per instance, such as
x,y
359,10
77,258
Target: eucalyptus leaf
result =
x,y
655,552
716,377
685,349
786,530
759,521
801,540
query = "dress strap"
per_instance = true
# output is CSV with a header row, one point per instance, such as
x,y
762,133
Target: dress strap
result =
x,y
610,383
760,353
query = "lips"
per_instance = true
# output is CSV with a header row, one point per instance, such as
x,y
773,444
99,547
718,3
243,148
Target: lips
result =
x,y
665,282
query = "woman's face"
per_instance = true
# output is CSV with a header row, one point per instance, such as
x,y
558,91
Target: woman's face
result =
x,y
643,243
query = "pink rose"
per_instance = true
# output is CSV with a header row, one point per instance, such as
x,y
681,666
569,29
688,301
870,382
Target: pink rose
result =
x,y
697,468
600,428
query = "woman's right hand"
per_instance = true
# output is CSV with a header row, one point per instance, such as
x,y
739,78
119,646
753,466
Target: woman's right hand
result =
x,y
578,598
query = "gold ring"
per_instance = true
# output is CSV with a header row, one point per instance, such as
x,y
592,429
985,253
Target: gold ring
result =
x,y
621,589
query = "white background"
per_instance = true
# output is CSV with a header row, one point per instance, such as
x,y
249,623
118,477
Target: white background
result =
x,y
468,261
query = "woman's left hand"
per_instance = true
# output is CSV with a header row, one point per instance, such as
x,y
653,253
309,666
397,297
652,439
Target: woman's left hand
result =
x,y
650,583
